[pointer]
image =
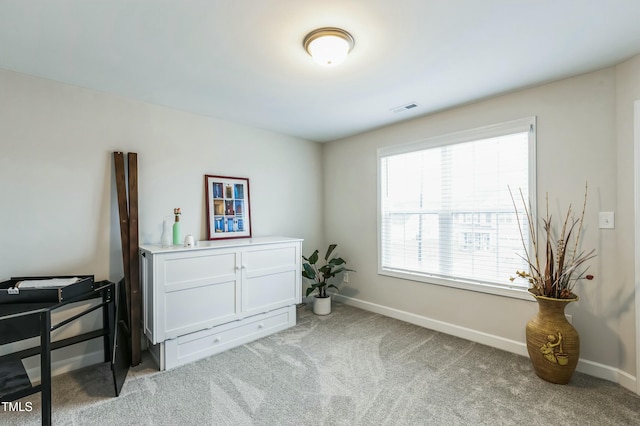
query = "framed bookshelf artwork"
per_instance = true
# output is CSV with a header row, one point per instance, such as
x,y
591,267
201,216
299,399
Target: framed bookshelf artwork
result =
x,y
228,208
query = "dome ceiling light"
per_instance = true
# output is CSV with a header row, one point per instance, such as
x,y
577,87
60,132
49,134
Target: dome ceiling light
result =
x,y
328,46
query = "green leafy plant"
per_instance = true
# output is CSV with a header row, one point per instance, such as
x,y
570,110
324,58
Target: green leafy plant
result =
x,y
554,273
320,274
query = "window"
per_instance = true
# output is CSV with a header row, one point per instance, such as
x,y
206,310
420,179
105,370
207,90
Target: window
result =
x,y
445,212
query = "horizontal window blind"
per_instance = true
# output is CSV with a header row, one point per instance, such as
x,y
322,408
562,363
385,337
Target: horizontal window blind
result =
x,y
445,207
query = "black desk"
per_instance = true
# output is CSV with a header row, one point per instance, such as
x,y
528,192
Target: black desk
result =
x,y
19,321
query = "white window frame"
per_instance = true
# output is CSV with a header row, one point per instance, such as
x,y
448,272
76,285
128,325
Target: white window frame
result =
x,y
495,130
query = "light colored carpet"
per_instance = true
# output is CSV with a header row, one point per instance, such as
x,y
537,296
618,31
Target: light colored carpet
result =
x,y
349,368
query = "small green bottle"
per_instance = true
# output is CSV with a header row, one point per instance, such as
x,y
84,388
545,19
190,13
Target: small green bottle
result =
x,y
177,235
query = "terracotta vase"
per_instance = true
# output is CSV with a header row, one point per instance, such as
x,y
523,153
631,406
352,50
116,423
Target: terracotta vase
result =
x,y
552,342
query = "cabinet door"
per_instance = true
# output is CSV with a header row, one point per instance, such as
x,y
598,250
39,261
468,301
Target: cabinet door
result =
x,y
199,290
271,277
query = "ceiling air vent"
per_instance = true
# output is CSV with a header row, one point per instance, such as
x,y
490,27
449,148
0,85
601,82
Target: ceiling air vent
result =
x,y
406,107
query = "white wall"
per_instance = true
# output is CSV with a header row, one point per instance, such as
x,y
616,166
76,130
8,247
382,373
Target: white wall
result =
x,y
57,187
577,130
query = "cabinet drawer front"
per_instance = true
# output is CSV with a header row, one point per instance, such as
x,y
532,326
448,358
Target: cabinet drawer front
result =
x,y
205,343
261,293
187,272
199,307
200,291
270,257
271,277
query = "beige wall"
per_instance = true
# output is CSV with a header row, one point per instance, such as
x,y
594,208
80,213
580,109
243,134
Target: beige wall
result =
x,y
577,128
57,187
628,91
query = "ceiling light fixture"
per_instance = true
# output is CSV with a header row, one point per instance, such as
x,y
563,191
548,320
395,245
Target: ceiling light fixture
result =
x,y
328,46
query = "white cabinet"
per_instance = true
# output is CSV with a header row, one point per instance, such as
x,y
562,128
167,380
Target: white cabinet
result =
x,y
201,300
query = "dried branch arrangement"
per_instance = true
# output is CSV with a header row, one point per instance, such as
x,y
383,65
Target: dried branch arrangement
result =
x,y
555,273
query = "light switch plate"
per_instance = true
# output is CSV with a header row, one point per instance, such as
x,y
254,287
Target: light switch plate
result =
x,y
607,220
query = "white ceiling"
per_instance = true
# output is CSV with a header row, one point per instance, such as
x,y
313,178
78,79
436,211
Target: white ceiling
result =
x,y
242,60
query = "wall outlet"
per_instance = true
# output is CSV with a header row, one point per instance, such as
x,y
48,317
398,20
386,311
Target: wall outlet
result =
x,y
606,220
345,277
569,318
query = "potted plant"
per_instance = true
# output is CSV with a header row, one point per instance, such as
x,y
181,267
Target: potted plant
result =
x,y
320,275
554,269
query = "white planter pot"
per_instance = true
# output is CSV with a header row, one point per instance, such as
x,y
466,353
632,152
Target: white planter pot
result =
x,y
322,305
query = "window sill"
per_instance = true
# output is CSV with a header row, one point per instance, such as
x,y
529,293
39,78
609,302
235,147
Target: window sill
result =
x,y
515,292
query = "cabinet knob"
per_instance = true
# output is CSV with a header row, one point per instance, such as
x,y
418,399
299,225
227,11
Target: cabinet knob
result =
x,y
261,325
216,340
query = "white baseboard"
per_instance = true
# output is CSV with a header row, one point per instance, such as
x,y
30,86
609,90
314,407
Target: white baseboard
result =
x,y
591,368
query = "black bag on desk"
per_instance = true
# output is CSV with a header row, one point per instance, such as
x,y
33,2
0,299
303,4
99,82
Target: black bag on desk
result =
x,y
14,300
14,291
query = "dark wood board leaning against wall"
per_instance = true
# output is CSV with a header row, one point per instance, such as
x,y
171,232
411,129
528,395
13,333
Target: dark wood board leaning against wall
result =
x,y
128,212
